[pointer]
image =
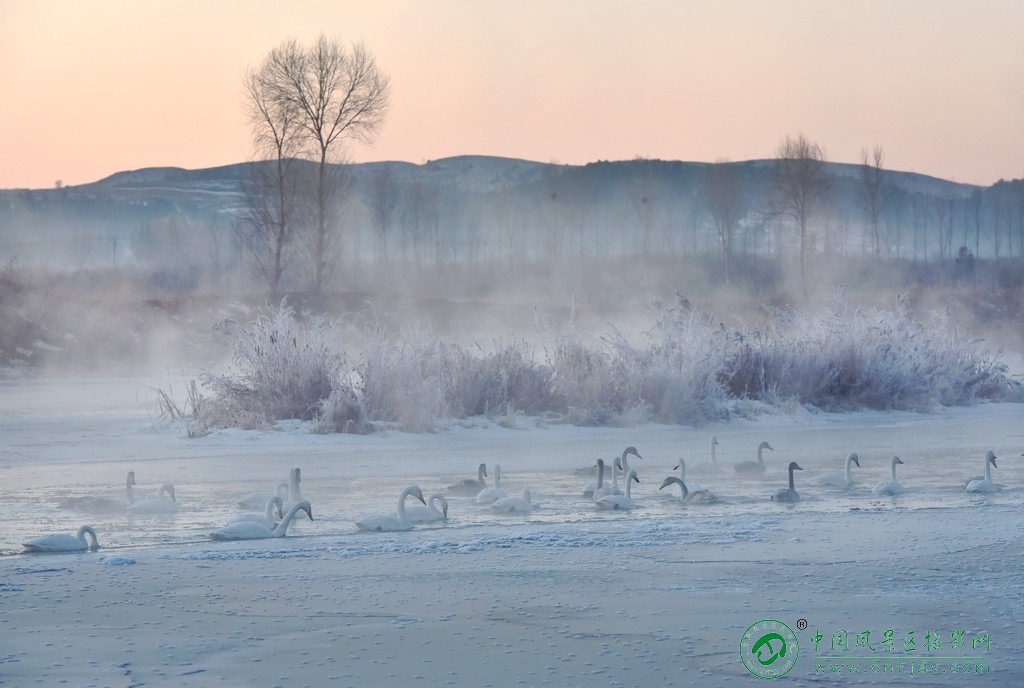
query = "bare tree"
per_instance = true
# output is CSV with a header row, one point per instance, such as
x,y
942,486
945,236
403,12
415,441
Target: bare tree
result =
x,y
270,191
801,183
871,187
342,95
382,200
723,198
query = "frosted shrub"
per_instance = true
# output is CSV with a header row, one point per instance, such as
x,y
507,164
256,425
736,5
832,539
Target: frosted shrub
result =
x,y
281,368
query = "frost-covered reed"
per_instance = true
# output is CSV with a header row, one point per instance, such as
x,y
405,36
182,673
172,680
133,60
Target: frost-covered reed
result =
x,y
687,369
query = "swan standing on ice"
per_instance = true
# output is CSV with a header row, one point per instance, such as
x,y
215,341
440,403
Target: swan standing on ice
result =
x,y
396,521
267,517
889,487
418,513
754,466
489,495
789,494
258,531
101,504
985,484
471,484
673,480
593,487
844,481
621,502
158,505
63,542
514,505
254,500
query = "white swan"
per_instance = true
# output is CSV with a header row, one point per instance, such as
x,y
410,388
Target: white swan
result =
x,y
267,519
985,484
844,481
614,488
515,505
889,487
695,491
158,505
489,495
419,513
622,502
392,522
254,500
470,484
623,463
63,542
101,504
593,487
294,488
788,494
259,531
754,466
673,480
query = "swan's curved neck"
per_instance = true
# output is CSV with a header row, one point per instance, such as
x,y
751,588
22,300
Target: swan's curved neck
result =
x,y
760,455
682,470
894,469
269,511
600,474
481,473
988,469
93,542
849,473
615,476
792,486
402,516
629,487
282,527
131,491
294,491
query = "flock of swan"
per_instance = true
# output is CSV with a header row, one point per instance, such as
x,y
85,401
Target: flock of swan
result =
x,y
281,506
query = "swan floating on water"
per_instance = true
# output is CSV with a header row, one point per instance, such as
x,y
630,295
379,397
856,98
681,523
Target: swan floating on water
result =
x,y
254,500
258,531
489,495
158,505
514,505
891,486
613,489
396,521
788,494
419,513
674,480
985,484
754,466
102,504
622,502
695,491
844,481
593,487
471,484
267,517
623,463
64,542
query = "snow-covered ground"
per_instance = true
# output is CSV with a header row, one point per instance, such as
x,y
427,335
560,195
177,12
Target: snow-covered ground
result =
x,y
564,596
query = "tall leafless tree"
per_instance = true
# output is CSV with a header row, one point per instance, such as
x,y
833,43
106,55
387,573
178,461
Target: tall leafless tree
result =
x,y
270,190
801,184
724,201
341,95
871,187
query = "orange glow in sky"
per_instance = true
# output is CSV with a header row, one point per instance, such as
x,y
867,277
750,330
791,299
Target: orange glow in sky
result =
x,y
92,88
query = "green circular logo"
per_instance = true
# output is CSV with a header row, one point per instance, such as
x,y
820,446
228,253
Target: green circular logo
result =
x,y
769,649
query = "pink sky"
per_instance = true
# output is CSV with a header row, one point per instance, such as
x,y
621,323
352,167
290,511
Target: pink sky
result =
x,y
92,88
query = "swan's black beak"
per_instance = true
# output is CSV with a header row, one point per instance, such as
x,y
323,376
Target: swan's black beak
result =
x,y
857,461
420,497
994,462
636,478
